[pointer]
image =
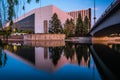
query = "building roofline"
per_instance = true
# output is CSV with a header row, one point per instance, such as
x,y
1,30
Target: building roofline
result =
x,y
77,10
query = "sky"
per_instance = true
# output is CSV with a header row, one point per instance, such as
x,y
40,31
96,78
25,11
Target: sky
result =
x,y
70,5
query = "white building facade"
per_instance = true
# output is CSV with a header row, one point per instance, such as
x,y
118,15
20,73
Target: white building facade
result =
x,y
38,19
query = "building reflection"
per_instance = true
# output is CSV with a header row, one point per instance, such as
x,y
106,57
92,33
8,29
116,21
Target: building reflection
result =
x,y
51,58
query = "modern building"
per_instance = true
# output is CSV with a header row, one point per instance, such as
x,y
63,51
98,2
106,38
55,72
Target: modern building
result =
x,y
38,19
83,14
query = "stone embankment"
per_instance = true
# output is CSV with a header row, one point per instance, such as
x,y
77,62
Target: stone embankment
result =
x,y
35,37
79,39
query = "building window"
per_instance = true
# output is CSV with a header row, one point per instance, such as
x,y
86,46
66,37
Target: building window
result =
x,y
45,26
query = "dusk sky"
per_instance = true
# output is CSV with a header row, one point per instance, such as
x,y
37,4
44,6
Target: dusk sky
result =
x,y
71,5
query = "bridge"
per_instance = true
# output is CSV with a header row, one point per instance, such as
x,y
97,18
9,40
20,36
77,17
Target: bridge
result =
x,y
109,22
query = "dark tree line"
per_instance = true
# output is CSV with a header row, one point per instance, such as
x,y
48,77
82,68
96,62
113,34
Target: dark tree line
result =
x,y
70,29
80,29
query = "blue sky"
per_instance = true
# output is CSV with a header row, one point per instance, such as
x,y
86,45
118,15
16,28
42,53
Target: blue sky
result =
x,y
71,5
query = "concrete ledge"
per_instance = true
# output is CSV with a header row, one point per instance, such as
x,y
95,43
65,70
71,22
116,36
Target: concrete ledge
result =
x,y
106,40
79,39
36,37
45,43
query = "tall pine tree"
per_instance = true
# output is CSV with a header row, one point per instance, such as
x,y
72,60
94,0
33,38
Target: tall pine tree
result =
x,y
79,26
86,25
69,27
55,25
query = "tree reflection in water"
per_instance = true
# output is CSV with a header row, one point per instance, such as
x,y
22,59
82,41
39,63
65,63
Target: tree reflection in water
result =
x,y
83,54
55,54
3,58
74,53
116,47
69,51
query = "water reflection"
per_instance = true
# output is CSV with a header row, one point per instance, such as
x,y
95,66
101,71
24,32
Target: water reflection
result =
x,y
71,59
55,54
3,58
115,47
83,55
107,61
55,58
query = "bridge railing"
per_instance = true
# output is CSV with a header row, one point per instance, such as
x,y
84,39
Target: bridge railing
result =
x,y
109,8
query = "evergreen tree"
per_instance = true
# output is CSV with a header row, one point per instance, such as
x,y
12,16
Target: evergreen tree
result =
x,y
55,26
79,26
69,27
86,25
72,24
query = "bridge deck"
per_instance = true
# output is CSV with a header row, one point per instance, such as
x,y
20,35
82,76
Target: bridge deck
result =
x,y
110,10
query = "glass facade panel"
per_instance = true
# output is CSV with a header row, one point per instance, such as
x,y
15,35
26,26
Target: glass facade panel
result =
x,y
26,23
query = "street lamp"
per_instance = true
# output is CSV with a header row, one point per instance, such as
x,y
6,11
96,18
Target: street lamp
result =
x,y
94,11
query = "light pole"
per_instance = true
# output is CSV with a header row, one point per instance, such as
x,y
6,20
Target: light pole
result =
x,y
94,11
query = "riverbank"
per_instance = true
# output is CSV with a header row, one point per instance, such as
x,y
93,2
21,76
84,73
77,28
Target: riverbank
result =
x,y
59,37
79,39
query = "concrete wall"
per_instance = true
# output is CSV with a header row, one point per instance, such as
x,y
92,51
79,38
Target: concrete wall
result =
x,y
44,37
53,43
42,14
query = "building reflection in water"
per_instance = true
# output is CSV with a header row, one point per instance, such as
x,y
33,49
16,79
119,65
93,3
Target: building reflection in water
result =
x,y
52,58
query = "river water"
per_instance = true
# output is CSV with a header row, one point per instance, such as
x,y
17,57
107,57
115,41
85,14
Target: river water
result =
x,y
57,60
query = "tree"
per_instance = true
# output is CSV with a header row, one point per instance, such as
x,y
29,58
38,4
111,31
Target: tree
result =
x,y
8,31
55,26
79,26
69,27
86,25
3,13
8,8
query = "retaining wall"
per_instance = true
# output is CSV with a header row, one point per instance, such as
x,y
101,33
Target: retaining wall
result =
x,y
44,37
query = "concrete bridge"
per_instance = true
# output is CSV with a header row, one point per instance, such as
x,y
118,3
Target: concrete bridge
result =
x,y
109,22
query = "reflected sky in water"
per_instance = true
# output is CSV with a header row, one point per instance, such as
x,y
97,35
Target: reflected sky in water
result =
x,y
28,62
